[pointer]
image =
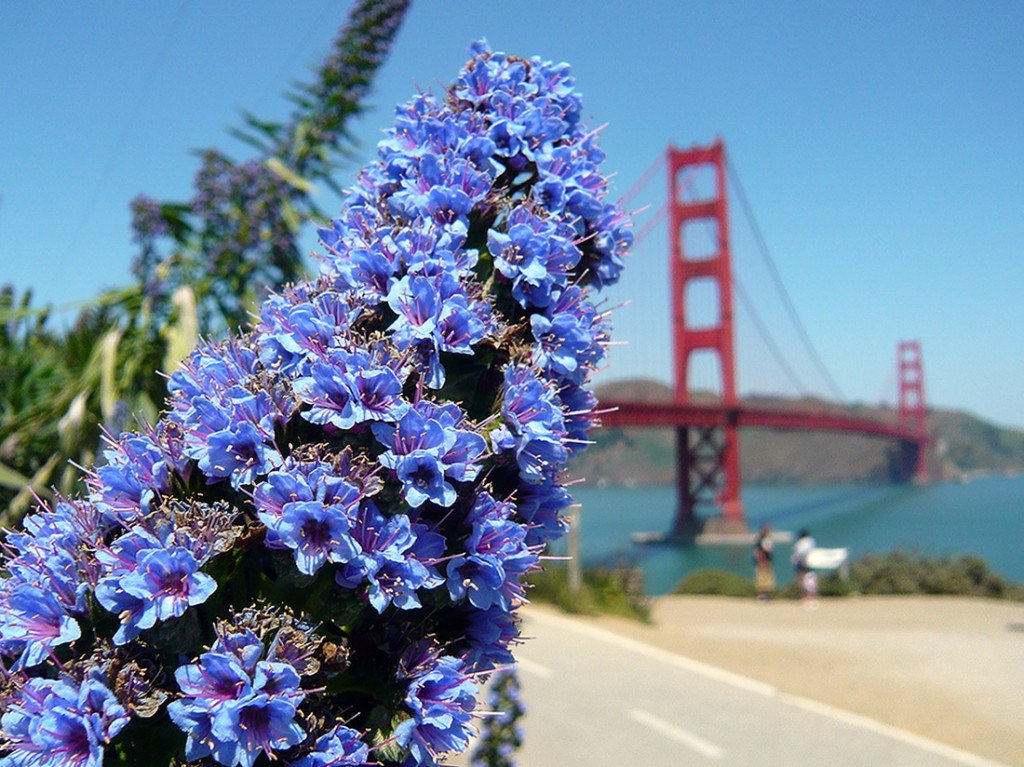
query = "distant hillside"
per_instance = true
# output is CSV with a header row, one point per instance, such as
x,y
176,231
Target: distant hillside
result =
x,y
962,445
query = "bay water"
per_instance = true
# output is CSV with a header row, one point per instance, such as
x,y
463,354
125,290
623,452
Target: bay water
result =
x,y
983,517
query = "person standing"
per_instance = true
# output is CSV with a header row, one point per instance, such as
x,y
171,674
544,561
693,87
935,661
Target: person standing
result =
x,y
764,575
805,576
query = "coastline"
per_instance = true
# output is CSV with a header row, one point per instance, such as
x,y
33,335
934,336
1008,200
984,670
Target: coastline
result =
x,y
947,668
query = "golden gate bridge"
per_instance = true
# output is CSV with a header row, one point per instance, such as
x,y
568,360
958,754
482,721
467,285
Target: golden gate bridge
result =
x,y
707,432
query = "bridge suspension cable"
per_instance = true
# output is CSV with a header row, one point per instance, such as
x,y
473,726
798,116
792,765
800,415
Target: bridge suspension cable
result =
x,y
777,279
645,177
769,342
642,233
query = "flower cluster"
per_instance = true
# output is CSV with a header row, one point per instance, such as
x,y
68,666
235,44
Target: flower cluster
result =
x,y
322,544
501,734
235,706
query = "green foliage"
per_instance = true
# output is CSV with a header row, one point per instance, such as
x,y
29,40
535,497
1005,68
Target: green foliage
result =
x,y
611,591
903,572
202,265
715,582
59,391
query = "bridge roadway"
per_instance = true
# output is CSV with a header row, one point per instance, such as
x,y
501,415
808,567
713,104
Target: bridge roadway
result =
x,y
618,414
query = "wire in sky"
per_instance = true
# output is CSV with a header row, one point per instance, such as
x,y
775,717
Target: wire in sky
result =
x,y
640,183
126,130
777,279
289,65
762,330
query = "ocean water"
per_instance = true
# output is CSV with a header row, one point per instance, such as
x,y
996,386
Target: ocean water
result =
x,y
983,517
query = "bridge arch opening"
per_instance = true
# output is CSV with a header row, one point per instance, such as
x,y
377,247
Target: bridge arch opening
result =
x,y
702,304
700,239
697,183
704,378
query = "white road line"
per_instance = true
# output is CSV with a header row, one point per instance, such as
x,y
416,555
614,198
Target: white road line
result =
x,y
533,668
896,733
678,734
656,653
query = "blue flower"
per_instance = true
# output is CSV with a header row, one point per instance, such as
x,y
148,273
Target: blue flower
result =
x,y
441,699
434,315
570,337
378,395
53,552
489,635
416,446
428,447
135,474
294,329
536,425
339,747
239,452
422,476
34,622
579,405
58,723
208,686
244,645
315,532
168,582
298,481
609,239
397,559
256,724
349,388
536,254
540,506
496,557
234,715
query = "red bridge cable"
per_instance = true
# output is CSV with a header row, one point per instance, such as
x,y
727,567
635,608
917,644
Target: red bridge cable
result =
x,y
790,308
641,182
649,225
759,325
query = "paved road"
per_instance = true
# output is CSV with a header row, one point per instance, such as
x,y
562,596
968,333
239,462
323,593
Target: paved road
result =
x,y
596,699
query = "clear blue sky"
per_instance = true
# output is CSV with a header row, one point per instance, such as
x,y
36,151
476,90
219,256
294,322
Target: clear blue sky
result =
x,y
881,145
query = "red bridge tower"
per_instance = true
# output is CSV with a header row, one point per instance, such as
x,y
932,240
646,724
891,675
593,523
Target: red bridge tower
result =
x,y
707,457
912,410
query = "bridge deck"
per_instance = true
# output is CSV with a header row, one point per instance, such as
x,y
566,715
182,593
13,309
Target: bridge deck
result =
x,y
661,414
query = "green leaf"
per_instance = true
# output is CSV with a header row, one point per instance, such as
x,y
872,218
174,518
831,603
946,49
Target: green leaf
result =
x,y
182,332
72,423
108,373
11,478
278,168
35,486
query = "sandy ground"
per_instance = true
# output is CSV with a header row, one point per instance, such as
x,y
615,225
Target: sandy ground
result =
x,y
950,669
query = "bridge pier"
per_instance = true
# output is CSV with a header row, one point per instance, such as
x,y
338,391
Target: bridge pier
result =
x,y
708,469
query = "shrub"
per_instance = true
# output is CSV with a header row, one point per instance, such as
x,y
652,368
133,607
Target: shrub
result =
x,y
613,591
715,582
904,572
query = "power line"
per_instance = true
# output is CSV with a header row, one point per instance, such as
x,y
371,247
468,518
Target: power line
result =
x,y
777,279
126,130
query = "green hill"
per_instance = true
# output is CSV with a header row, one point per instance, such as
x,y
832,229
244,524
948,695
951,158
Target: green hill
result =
x,y
962,445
